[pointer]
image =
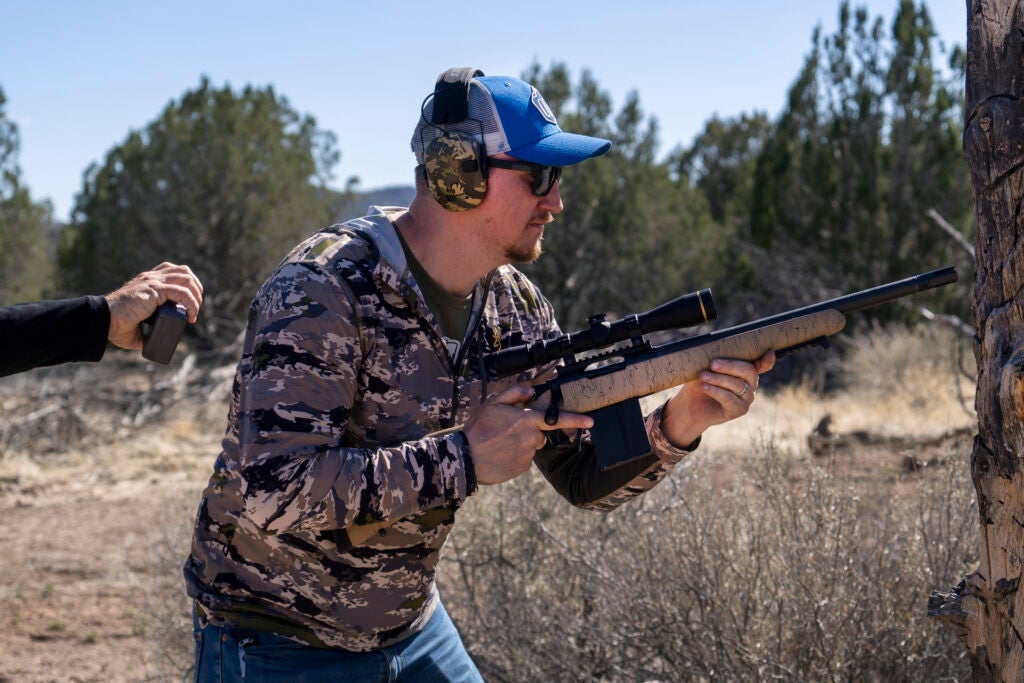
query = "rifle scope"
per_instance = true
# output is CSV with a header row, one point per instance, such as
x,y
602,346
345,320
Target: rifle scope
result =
x,y
685,311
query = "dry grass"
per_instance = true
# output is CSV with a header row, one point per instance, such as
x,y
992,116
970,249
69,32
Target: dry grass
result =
x,y
761,566
756,560
895,383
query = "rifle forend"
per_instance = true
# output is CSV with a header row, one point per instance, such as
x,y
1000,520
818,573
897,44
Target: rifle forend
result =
x,y
611,392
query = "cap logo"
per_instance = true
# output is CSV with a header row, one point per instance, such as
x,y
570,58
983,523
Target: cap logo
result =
x,y
542,106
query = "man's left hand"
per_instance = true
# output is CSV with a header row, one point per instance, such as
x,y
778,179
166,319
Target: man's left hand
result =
x,y
721,393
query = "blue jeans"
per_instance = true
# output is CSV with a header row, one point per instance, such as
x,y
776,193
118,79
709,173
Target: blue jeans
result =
x,y
226,653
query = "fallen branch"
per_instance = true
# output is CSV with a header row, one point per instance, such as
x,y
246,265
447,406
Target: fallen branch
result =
x,y
952,232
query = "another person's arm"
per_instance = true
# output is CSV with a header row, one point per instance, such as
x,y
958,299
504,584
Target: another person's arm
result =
x,y
52,332
47,333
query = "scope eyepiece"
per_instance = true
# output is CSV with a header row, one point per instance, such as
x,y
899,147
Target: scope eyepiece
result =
x,y
685,311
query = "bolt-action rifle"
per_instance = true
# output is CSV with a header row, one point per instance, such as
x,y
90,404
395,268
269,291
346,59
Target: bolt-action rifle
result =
x,y
608,385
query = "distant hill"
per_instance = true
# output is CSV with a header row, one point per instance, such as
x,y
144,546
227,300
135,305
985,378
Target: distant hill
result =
x,y
356,205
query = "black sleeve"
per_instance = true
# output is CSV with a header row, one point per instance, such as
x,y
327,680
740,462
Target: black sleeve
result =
x,y
573,471
53,332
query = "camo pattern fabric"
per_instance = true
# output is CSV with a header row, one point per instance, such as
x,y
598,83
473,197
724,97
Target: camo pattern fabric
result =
x,y
343,376
453,188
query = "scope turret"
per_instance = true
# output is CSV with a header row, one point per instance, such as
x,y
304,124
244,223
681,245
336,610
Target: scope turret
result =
x,y
685,311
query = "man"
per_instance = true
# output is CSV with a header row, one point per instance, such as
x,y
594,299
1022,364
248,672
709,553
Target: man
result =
x,y
68,330
358,423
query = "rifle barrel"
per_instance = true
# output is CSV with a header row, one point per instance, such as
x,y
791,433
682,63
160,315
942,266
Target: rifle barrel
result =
x,y
858,301
894,290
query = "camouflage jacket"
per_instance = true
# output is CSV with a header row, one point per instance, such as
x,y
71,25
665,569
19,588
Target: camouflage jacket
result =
x,y
343,377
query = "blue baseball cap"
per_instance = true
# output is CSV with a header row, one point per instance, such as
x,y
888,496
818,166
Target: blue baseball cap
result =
x,y
511,117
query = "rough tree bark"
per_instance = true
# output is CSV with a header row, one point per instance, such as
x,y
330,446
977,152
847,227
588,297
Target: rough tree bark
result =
x,y
987,607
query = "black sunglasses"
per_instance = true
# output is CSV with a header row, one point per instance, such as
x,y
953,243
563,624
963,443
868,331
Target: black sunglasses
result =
x,y
544,177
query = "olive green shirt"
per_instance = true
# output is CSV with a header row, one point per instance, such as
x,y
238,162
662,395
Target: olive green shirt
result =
x,y
452,312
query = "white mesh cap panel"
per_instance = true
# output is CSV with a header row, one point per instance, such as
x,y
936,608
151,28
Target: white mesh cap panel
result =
x,y
481,117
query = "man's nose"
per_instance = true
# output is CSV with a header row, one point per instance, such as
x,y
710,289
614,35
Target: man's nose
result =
x,y
552,201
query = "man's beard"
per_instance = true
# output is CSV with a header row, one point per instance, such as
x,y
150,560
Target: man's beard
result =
x,y
526,253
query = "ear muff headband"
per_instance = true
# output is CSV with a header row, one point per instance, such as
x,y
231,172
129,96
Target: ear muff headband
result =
x,y
455,162
451,95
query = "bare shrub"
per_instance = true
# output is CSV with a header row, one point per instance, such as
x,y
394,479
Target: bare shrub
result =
x,y
52,428
167,610
775,569
904,379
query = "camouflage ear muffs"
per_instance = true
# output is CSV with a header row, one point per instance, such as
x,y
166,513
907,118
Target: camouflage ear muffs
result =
x,y
454,172
454,163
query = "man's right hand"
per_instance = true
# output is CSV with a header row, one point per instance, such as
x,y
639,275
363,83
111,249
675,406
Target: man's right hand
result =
x,y
504,434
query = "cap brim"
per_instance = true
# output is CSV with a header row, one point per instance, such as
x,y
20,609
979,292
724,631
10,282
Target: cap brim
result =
x,y
561,149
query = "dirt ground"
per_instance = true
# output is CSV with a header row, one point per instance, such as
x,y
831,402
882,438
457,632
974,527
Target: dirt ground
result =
x,y
93,506
78,560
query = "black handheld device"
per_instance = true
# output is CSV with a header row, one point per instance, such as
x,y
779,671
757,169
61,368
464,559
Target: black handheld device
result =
x,y
162,331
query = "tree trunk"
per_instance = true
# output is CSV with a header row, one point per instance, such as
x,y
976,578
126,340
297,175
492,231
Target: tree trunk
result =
x,y
986,608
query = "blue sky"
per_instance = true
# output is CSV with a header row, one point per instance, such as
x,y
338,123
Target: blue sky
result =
x,y
79,75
